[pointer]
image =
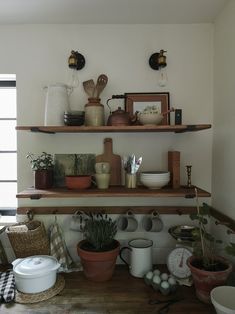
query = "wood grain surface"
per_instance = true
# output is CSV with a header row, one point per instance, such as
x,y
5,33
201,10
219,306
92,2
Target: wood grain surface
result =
x,y
123,294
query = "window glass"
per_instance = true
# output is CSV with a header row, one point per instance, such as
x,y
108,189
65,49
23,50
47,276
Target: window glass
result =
x,y
7,135
8,101
7,167
8,195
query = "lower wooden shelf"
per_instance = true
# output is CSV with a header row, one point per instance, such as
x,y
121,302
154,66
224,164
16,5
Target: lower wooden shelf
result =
x,y
113,191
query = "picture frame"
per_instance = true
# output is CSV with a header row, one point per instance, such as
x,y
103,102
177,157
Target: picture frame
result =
x,y
138,101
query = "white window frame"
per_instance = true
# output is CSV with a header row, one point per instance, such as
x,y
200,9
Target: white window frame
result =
x,y
7,211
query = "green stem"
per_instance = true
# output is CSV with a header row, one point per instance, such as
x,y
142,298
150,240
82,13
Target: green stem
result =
x,y
200,228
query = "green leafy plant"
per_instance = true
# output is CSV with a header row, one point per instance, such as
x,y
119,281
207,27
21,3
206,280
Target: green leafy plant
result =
x,y
204,242
230,249
43,161
99,231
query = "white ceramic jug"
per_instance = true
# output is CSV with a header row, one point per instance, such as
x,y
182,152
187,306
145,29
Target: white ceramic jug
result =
x,y
57,102
140,256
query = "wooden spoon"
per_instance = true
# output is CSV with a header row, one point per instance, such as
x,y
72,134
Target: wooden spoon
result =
x,y
101,83
89,87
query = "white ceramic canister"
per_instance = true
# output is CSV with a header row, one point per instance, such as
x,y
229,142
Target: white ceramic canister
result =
x,y
35,274
57,102
94,112
141,260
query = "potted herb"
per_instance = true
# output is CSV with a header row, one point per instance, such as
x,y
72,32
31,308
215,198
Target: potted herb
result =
x,y
208,269
99,250
43,166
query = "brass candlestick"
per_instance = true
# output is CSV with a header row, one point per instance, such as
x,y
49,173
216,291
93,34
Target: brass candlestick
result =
x,y
189,172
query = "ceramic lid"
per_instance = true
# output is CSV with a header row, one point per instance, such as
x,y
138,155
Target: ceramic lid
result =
x,y
34,265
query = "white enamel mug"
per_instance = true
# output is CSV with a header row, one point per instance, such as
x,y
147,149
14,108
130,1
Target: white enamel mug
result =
x,y
141,260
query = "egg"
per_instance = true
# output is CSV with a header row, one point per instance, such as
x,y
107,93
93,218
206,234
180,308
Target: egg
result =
x,y
156,279
165,288
156,272
172,281
164,276
149,275
148,278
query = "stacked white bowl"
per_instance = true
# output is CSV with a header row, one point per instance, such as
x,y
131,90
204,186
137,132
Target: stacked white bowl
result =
x,y
155,179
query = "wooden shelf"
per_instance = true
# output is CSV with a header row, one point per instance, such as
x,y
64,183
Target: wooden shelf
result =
x,y
113,191
113,129
65,210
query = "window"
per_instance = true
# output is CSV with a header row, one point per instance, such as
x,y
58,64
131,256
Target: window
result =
x,y
8,164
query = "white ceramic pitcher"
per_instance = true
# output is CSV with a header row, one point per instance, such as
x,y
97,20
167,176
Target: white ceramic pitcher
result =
x,y
57,102
140,256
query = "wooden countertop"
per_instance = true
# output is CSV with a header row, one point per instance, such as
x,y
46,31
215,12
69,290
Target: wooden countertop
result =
x,y
123,294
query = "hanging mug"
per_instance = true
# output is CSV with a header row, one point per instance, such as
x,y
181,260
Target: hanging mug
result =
x,y
141,260
77,222
152,223
127,222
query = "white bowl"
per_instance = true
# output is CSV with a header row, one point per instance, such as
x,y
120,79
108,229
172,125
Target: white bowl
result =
x,y
154,183
155,173
223,299
150,118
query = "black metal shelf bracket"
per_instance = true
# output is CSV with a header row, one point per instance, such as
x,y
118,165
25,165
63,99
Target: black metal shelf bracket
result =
x,y
36,129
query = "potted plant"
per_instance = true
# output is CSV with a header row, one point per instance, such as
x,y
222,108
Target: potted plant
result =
x,y
208,269
42,165
76,181
99,250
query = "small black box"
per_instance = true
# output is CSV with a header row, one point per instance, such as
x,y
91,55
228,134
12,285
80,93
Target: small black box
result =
x,y
178,116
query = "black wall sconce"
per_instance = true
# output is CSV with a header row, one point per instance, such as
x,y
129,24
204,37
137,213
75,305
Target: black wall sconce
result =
x,y
158,60
76,60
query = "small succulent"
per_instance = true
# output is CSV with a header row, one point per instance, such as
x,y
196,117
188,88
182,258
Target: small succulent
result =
x,y
99,231
41,162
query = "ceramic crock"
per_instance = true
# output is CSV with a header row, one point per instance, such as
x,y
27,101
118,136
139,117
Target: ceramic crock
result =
x,y
57,102
35,274
94,112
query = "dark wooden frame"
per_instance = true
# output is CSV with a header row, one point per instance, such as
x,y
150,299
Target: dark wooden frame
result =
x,y
164,98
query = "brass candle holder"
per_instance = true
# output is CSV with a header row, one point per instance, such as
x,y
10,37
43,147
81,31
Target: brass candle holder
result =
x,y
189,172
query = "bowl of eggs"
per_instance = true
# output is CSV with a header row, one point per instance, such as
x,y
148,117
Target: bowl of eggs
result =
x,y
162,282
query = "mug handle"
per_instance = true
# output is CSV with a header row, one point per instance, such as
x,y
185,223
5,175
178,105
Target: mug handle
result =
x,y
120,254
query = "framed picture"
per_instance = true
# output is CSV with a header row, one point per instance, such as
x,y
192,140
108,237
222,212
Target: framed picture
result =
x,y
139,101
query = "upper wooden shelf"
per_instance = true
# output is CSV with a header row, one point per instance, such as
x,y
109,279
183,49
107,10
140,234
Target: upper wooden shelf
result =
x,y
113,191
110,129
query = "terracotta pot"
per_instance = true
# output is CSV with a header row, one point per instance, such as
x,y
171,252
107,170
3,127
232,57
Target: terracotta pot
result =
x,y
98,266
78,182
43,179
205,281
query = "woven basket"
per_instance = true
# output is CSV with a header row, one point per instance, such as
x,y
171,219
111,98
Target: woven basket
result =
x,y
34,241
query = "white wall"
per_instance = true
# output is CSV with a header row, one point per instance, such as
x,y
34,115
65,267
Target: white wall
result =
x,y
223,179
38,55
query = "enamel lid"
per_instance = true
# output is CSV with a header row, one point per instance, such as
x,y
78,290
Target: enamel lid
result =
x,y
35,265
